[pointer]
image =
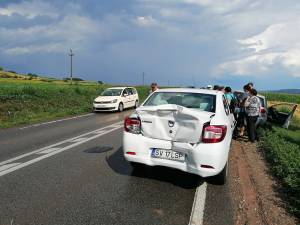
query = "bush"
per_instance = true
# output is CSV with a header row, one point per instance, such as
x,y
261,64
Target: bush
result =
x,y
1,68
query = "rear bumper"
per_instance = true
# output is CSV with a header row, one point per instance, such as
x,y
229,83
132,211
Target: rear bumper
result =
x,y
214,155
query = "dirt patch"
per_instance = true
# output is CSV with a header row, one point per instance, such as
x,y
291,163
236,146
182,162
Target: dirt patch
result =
x,y
253,189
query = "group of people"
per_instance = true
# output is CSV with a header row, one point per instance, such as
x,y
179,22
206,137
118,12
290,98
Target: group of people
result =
x,y
249,112
245,107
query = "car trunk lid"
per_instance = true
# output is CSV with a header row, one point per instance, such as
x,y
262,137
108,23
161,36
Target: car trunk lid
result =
x,y
173,122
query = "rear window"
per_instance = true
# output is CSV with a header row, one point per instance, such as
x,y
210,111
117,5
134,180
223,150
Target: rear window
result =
x,y
203,102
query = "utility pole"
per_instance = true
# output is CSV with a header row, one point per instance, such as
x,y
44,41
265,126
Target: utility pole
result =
x,y
71,54
143,79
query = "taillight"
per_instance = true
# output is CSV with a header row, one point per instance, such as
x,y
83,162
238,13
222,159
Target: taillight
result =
x,y
262,110
213,133
132,125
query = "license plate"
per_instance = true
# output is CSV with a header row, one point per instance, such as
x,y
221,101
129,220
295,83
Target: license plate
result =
x,y
167,154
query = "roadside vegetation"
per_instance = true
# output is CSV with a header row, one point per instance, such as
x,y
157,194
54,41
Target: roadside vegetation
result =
x,y
281,148
26,101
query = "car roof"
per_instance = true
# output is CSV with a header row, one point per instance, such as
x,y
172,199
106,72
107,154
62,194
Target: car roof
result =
x,y
191,90
119,87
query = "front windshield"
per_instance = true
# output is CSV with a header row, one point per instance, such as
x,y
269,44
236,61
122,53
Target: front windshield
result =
x,y
203,102
111,92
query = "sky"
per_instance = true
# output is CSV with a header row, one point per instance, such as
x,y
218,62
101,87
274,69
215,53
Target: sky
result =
x,y
175,42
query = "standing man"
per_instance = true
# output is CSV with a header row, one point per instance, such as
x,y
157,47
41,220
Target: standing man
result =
x,y
252,106
153,87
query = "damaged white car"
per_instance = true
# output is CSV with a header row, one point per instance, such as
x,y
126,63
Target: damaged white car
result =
x,y
186,129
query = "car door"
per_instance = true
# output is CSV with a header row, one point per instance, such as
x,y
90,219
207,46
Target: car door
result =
x,y
126,98
135,95
229,114
281,114
131,97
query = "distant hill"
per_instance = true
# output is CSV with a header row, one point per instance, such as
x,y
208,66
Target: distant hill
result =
x,y
287,91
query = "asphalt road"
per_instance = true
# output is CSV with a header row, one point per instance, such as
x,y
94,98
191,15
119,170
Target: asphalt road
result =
x,y
73,172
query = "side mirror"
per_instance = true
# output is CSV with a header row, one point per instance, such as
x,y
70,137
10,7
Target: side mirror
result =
x,y
125,95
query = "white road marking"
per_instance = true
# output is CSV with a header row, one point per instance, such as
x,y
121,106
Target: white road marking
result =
x,y
79,139
55,121
56,144
7,166
48,150
21,165
198,205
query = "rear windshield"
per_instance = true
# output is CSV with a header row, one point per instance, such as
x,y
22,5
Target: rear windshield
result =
x,y
111,92
203,102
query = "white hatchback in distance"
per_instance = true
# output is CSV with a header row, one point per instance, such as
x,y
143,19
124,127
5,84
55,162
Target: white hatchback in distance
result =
x,y
116,99
186,129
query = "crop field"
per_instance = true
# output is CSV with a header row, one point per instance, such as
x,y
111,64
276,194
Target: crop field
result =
x,y
31,101
282,97
281,148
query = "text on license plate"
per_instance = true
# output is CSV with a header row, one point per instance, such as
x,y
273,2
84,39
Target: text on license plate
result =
x,y
167,154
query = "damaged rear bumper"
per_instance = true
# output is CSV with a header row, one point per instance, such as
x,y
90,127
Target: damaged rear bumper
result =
x,y
201,159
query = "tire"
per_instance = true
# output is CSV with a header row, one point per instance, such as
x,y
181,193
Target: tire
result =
x,y
121,107
136,104
221,178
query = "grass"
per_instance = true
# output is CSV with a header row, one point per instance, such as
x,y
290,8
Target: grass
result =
x,y
282,151
27,101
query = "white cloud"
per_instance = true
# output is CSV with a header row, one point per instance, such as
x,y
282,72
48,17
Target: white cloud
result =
x,y
29,9
32,49
146,21
277,46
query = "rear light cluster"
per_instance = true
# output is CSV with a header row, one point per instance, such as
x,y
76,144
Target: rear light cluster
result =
x,y
132,125
213,133
262,110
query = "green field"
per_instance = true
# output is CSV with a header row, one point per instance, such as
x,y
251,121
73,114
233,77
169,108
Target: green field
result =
x,y
281,148
26,101
282,97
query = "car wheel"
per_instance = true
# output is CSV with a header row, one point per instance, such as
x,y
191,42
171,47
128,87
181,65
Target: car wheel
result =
x,y
121,107
221,178
136,104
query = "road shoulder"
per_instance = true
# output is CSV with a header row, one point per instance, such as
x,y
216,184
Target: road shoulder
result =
x,y
253,188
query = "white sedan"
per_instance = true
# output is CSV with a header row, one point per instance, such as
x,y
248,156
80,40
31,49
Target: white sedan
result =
x,y
186,129
116,99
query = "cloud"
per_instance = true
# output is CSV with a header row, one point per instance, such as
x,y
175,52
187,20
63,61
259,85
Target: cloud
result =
x,y
72,30
146,21
29,9
277,46
177,38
